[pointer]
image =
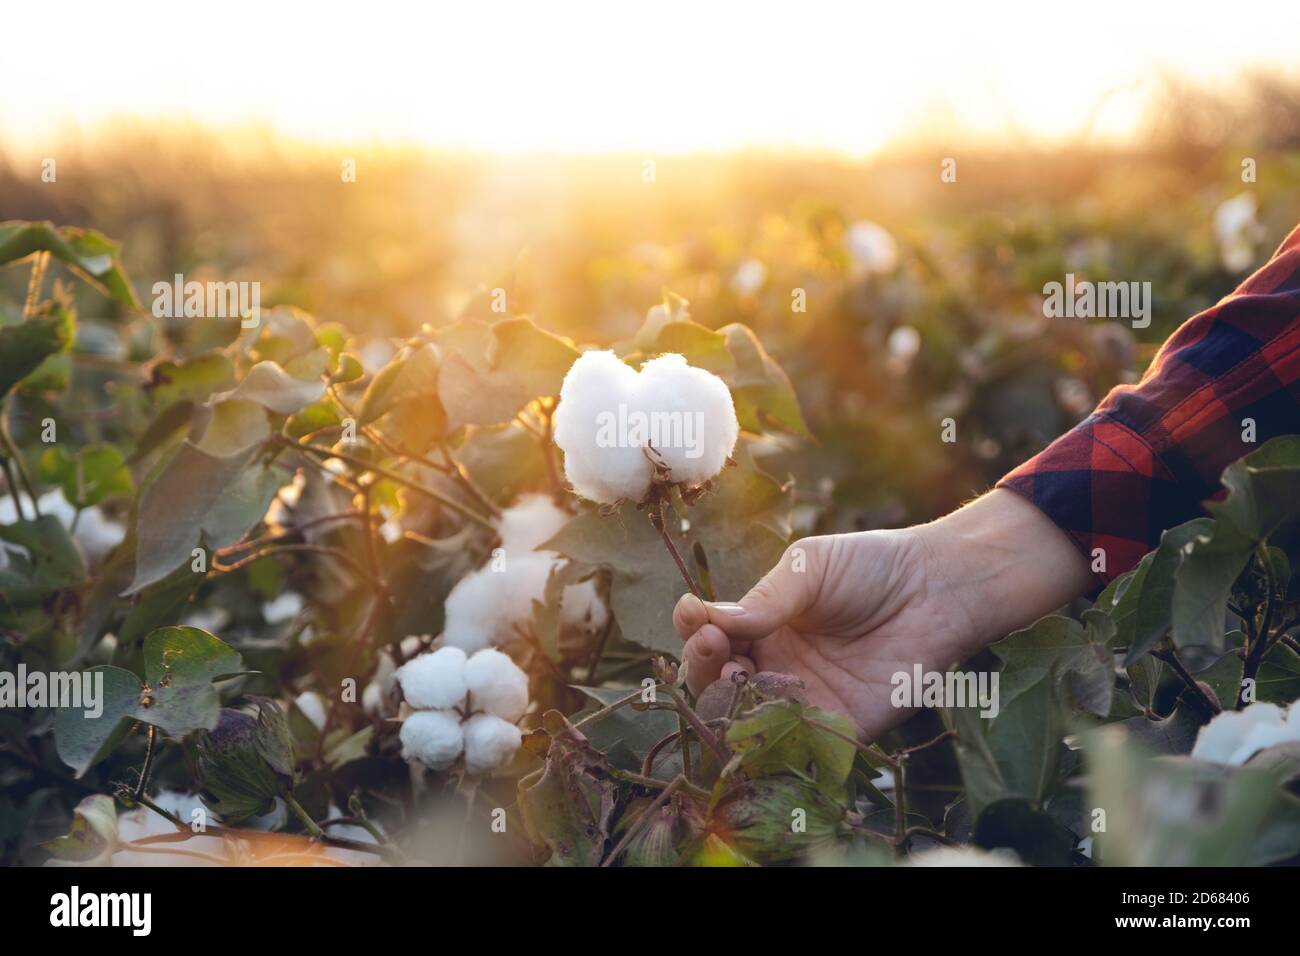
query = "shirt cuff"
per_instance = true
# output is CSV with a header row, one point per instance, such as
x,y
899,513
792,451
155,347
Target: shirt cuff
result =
x,y
1103,486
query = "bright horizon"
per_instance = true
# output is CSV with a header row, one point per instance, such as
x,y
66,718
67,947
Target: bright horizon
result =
x,y
582,77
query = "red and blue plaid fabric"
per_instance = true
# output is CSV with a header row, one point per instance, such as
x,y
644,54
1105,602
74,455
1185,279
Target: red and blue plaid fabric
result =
x,y
1151,453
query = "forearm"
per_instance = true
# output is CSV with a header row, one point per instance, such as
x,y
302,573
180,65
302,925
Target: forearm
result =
x,y
1004,564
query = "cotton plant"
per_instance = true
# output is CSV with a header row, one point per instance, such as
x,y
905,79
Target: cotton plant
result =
x,y
462,706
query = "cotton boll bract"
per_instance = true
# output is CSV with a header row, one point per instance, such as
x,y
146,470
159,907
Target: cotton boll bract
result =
x,y
433,738
434,680
496,685
594,387
490,742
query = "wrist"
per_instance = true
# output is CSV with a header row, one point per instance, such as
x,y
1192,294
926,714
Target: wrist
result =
x,y
1003,563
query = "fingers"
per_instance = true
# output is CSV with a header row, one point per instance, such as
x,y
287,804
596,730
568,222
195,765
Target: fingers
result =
x,y
689,615
782,595
706,653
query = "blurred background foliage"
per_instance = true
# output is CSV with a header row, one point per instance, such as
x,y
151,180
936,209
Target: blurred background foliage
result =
x,y
939,318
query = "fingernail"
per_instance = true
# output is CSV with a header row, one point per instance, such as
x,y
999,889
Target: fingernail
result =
x,y
726,607
691,602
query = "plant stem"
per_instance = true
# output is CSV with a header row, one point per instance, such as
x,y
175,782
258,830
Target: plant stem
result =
x,y
312,826
1261,643
449,503
18,462
34,282
608,709
148,763
706,736
657,519
1171,658
900,806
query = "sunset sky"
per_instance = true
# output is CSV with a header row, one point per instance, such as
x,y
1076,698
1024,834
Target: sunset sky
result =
x,y
666,76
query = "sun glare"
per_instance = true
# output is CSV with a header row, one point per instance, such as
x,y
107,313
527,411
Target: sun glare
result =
x,y
672,76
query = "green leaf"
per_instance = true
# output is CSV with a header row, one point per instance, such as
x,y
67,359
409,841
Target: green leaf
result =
x,y
645,584
92,255
83,741
313,418
403,397
51,562
1017,753
1263,490
283,390
94,473
1078,654
191,379
488,373
176,695
23,347
1143,614
180,664
765,399
197,496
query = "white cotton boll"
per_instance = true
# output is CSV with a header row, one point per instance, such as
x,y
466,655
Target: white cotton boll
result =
x,y
531,520
378,699
1235,216
283,608
434,680
488,605
433,738
601,471
496,685
1219,740
490,742
964,856
1260,737
749,277
608,414
872,247
94,534
312,706
699,429
581,607
470,612
53,503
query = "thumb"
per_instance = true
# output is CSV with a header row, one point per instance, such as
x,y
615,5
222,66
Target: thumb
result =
x,y
783,594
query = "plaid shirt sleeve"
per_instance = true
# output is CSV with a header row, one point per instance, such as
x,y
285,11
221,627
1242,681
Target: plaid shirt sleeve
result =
x,y
1151,453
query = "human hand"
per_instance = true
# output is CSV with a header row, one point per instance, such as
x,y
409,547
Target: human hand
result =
x,y
847,612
